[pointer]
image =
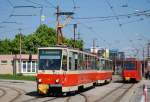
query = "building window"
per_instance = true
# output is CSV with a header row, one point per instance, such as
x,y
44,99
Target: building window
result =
x,y
4,62
24,66
34,66
29,66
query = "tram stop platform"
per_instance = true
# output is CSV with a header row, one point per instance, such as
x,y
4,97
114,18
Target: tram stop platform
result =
x,y
141,92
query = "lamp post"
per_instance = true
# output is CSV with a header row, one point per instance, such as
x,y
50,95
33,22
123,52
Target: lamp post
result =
x,y
20,49
143,57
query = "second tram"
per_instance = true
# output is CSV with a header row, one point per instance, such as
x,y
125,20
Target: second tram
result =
x,y
132,70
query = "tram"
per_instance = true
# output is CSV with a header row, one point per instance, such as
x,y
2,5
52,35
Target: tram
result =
x,y
132,70
63,70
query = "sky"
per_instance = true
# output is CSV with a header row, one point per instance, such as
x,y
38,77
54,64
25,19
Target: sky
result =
x,y
114,24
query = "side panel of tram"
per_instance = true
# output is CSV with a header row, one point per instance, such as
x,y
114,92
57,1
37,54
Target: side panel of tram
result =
x,y
104,72
132,70
65,70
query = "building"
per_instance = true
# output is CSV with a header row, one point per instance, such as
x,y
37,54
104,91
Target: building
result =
x,y
10,64
117,58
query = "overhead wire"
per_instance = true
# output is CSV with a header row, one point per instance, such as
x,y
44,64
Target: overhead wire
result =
x,y
113,11
120,25
93,31
52,5
10,3
139,13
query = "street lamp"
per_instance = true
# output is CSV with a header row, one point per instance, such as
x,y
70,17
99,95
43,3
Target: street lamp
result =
x,y
20,48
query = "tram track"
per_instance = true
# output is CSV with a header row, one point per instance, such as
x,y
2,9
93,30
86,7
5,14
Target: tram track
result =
x,y
18,91
119,96
3,92
37,98
81,94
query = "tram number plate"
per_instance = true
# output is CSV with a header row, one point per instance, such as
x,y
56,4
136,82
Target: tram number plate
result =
x,y
43,86
127,78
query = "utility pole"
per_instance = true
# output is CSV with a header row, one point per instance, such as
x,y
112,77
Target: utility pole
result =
x,y
94,46
60,26
148,50
58,29
20,49
74,38
143,61
41,11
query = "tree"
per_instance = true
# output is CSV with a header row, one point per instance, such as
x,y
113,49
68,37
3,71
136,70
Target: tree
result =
x,y
42,37
5,47
15,44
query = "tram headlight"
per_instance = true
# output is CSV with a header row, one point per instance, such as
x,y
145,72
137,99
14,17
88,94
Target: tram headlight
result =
x,y
39,80
57,80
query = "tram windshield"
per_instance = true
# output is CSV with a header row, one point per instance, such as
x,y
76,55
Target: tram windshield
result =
x,y
49,59
129,65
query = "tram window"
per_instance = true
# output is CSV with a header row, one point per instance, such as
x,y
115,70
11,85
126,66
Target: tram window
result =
x,y
103,64
64,63
89,63
130,65
81,61
107,65
70,63
49,59
76,64
110,65
76,60
73,61
92,63
86,60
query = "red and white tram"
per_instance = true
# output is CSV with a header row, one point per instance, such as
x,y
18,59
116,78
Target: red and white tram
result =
x,y
64,70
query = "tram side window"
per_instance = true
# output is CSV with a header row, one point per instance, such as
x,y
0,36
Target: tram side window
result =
x,y
86,62
64,63
107,65
95,67
89,63
103,64
76,60
110,65
73,61
81,61
100,64
92,62
76,64
70,64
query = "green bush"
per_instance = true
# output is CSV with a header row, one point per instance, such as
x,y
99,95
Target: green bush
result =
x,y
17,77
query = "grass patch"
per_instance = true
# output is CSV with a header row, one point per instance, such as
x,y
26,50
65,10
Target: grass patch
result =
x,y
17,77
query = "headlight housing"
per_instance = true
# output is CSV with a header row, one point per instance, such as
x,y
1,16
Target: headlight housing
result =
x,y
39,80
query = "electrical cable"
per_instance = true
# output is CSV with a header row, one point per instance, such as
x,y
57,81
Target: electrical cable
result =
x,y
53,6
